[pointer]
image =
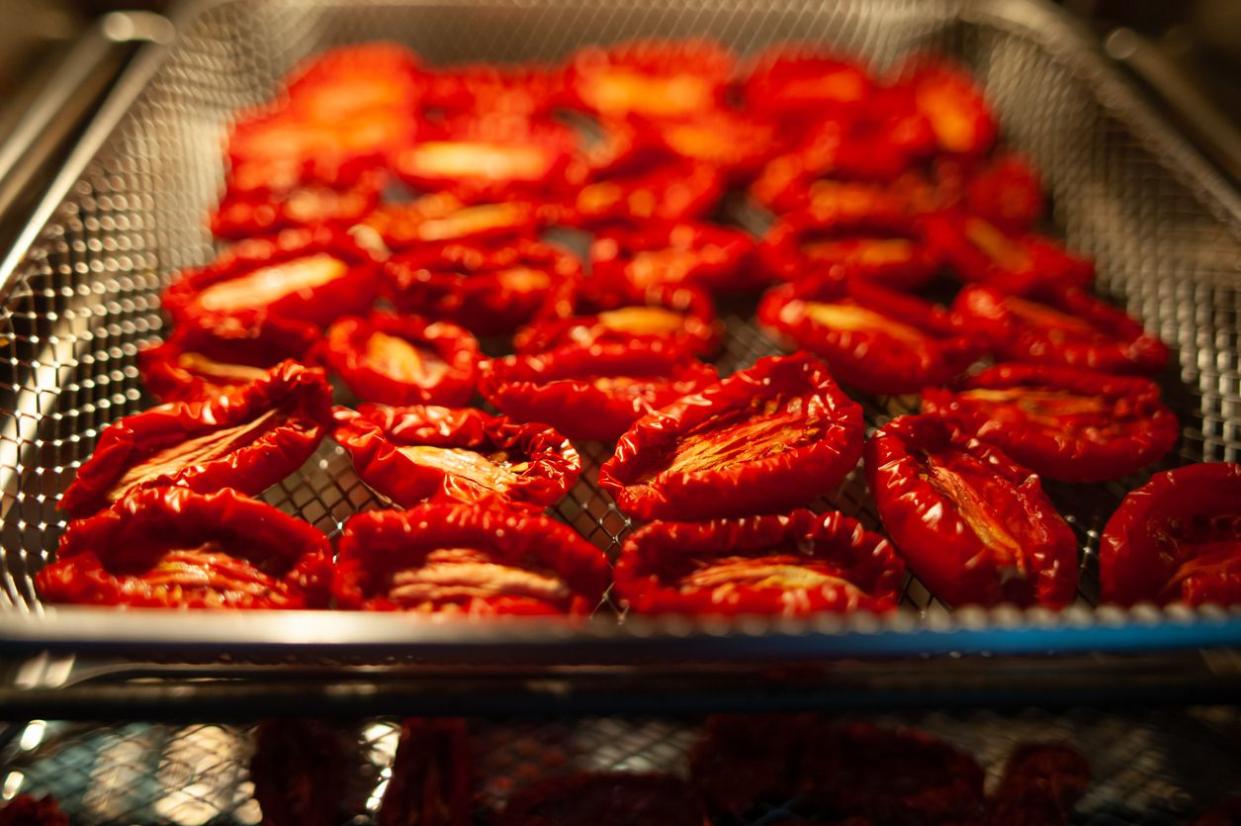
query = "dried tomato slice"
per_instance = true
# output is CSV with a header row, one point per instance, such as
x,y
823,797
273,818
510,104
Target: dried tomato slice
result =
x,y
1063,423
688,253
978,251
1007,192
652,79
490,291
774,436
345,82
490,158
1067,327
248,438
396,359
1041,785
665,192
25,810
303,202
874,339
972,525
737,144
412,454
282,143
800,82
604,799
174,548
444,218
593,393
475,89
208,354
312,274
953,104
295,768
880,247
430,783
1176,539
796,564
580,314
464,559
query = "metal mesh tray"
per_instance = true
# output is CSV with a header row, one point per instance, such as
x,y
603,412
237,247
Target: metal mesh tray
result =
x,y
129,208
1148,768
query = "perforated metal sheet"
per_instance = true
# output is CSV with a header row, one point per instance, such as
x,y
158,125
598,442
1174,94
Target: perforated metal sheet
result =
x,y
1164,229
1148,768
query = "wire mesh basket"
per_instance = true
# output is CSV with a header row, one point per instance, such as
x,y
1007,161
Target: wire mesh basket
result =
x,y
82,298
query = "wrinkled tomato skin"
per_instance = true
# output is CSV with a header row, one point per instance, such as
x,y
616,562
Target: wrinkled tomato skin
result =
x,y
1022,263
707,257
1176,539
604,799
1007,192
814,439
948,98
867,575
1041,785
431,776
295,767
443,218
375,435
694,76
668,192
1126,428
340,201
920,468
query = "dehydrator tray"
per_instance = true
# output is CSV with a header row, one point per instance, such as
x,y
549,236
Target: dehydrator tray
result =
x,y
1149,768
127,211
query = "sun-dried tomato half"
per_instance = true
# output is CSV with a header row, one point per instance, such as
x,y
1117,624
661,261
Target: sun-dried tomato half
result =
x,y
593,393
207,354
342,83
874,339
652,79
489,291
734,143
431,774
667,192
953,104
974,526
313,274
1042,783
879,247
468,560
248,438
581,314
1176,539
295,768
25,810
415,454
1066,327
799,82
795,564
695,254
444,218
1007,192
604,799
978,251
395,359
174,548
772,437
283,143
481,89
304,202
1063,423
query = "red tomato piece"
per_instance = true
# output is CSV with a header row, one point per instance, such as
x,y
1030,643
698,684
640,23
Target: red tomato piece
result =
x,y
604,799
1041,785
430,783
581,314
444,218
1007,192
281,143
480,89
800,82
467,560
973,526
796,564
304,202
313,274
345,82
736,144
1063,423
953,104
593,393
772,437
693,254
490,291
667,192
978,251
295,768
415,454
652,79
207,355
1176,539
174,548
1065,327
248,438
25,810
880,247
874,339
395,359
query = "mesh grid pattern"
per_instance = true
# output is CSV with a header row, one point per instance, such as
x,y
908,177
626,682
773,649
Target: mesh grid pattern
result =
x,y
1152,768
1167,241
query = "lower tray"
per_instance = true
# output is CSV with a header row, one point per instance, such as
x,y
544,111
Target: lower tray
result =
x,y
1148,768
